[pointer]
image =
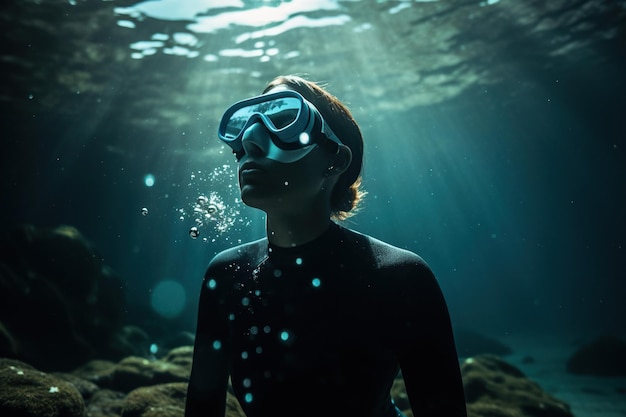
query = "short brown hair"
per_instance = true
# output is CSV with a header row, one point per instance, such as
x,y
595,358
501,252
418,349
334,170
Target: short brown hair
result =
x,y
347,193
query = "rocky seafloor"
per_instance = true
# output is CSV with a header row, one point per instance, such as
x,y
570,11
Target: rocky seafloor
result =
x,y
141,387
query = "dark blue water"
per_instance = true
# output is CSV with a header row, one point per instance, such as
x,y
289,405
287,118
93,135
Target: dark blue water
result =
x,y
495,142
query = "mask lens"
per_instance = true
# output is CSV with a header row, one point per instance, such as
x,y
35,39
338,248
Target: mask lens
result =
x,y
237,121
281,113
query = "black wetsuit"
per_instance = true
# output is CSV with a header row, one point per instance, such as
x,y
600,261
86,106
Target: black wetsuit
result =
x,y
322,329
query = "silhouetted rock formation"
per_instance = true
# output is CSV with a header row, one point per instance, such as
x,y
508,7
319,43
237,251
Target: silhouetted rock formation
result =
x,y
472,343
496,388
59,304
605,356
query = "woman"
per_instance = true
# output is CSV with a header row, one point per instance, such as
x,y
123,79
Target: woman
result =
x,y
315,319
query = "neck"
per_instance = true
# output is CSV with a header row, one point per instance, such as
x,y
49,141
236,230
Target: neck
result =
x,y
288,231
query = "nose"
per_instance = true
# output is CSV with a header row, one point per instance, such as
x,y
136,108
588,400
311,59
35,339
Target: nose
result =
x,y
255,140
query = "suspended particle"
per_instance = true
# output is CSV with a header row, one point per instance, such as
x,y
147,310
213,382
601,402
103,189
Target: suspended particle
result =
x,y
144,211
194,232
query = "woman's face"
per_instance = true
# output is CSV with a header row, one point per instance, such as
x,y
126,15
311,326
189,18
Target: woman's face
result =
x,y
276,187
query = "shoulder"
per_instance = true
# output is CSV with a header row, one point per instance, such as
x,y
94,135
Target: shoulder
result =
x,y
401,277
384,254
238,255
230,266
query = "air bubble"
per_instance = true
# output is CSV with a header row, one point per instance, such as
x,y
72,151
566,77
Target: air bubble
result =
x,y
213,213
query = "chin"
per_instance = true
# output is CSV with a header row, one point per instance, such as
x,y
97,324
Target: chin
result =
x,y
261,200
253,199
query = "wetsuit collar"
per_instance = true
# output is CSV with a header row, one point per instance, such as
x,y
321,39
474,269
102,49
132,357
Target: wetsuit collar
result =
x,y
313,251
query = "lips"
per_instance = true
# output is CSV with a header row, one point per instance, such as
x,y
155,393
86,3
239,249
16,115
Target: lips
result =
x,y
250,169
250,166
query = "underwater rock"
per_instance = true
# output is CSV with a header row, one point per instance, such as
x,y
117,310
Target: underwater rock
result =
x,y
496,388
605,356
134,372
26,391
471,343
59,304
167,400
157,400
399,395
233,408
87,389
182,356
106,403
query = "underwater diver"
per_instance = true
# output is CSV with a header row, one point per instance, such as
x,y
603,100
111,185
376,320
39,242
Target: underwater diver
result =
x,y
315,319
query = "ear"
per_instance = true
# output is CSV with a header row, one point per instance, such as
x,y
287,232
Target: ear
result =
x,y
341,161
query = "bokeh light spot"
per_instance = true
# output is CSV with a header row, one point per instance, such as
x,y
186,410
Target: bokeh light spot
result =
x,y
149,180
168,298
